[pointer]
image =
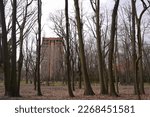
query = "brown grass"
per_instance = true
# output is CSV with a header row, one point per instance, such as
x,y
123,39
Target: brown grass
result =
x,y
59,92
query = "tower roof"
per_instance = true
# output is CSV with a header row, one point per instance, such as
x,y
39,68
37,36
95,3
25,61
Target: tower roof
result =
x,y
48,40
52,38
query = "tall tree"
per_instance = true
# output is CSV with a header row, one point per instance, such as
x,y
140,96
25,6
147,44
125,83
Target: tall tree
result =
x,y
134,54
5,50
22,34
140,44
112,90
1,51
96,9
39,93
68,51
116,61
87,85
13,80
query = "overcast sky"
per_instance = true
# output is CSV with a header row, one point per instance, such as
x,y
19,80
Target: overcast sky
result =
x,y
50,6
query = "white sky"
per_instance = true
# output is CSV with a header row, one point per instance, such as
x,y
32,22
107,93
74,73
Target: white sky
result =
x,y
50,6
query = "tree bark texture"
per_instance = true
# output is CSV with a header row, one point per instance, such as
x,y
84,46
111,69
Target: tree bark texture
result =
x,y
39,93
87,85
112,90
5,50
134,54
68,51
13,80
99,49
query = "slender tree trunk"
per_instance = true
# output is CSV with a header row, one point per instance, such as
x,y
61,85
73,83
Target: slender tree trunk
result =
x,y
96,9
99,49
134,55
5,50
136,77
112,90
26,64
140,45
87,85
73,75
20,60
27,74
68,51
20,63
35,78
140,53
21,39
39,93
80,74
116,61
105,76
1,47
116,55
13,81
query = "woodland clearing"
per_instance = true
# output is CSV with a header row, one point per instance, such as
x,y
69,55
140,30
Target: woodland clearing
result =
x,y
60,92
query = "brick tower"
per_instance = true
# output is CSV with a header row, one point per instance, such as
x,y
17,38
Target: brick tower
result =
x,y
52,55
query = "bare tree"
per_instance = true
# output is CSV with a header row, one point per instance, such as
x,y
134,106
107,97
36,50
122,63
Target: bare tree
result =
x,y
5,50
134,54
111,50
58,27
96,8
39,93
68,50
58,20
125,35
140,45
27,22
87,88
13,80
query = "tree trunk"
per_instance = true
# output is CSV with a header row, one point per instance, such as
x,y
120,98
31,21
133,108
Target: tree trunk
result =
x,y
140,53
96,9
68,51
20,60
105,76
27,74
13,80
5,51
112,90
99,49
134,55
136,78
1,47
140,45
73,74
80,74
39,93
20,63
26,64
21,39
35,78
87,85
116,61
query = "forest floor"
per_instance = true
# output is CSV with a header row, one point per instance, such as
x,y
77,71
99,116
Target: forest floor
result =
x,y
60,92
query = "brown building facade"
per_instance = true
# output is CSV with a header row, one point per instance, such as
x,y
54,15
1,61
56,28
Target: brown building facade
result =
x,y
52,57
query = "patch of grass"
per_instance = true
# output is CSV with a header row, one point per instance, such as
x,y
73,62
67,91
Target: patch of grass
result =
x,y
146,84
56,84
1,83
